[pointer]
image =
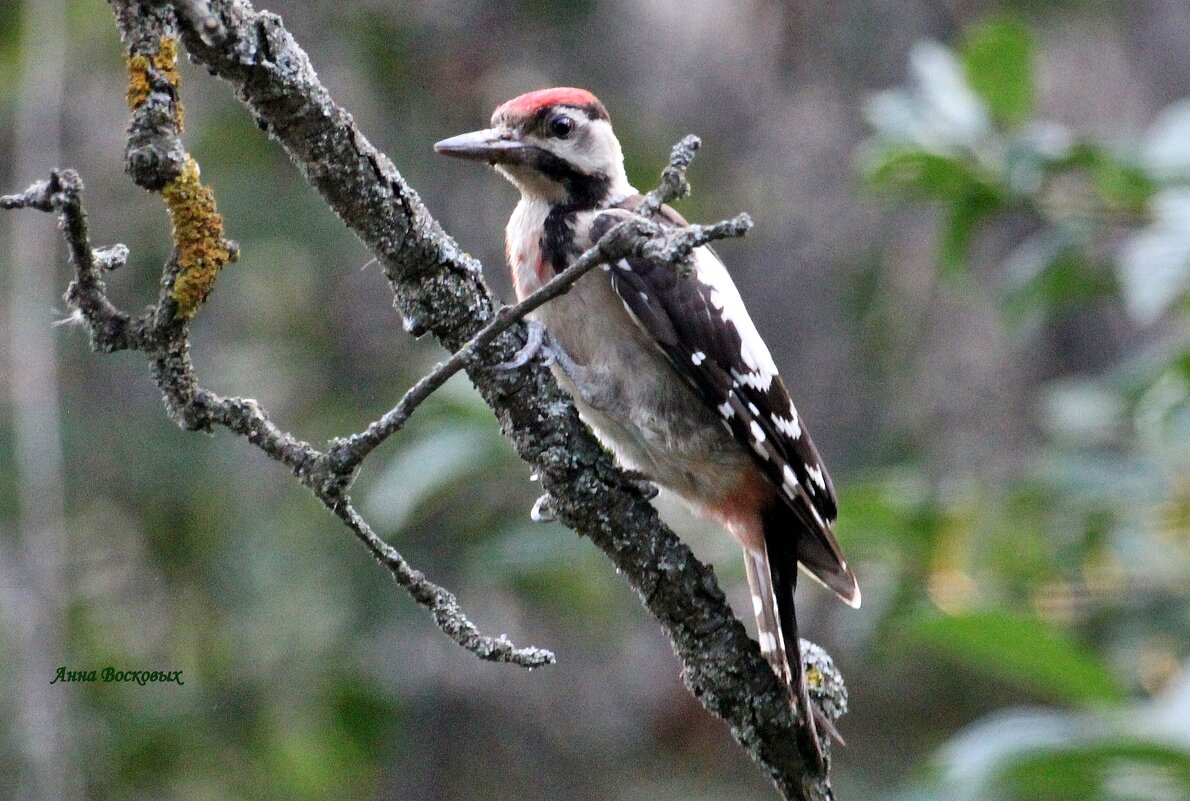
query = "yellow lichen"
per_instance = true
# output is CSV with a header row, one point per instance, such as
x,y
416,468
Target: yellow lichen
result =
x,y
814,678
198,229
138,81
198,235
165,62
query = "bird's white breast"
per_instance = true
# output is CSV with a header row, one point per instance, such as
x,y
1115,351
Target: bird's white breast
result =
x,y
523,243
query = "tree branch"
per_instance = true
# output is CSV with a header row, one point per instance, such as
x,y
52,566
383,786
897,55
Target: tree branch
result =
x,y
438,288
195,408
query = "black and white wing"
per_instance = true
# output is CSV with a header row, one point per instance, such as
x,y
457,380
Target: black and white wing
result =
x,y
700,323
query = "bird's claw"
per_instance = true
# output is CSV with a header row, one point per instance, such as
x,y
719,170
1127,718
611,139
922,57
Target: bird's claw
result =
x,y
536,344
642,484
638,481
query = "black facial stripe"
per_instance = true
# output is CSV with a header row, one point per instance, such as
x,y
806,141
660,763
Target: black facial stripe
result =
x,y
583,191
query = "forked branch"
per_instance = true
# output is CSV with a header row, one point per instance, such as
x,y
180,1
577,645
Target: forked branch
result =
x,y
438,288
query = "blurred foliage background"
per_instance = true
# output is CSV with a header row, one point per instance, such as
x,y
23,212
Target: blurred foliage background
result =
x,y
972,262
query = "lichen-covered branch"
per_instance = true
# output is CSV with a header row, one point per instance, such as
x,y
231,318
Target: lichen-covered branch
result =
x,y
157,161
674,185
438,289
196,408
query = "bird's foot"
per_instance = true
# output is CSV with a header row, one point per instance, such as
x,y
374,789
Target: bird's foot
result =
x,y
641,483
635,481
536,344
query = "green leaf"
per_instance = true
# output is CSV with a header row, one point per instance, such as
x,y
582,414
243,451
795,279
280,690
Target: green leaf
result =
x,y
1051,276
1085,773
959,229
1154,262
1021,650
924,175
997,58
1120,185
1165,149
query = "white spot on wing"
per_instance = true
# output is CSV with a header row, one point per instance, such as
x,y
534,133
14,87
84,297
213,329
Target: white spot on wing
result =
x,y
790,478
760,380
815,474
789,427
757,432
726,410
698,357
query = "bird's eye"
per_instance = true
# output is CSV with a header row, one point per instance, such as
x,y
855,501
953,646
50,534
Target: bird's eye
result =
x,y
560,126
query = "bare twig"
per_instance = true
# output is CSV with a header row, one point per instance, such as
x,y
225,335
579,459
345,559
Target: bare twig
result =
x,y
196,408
674,185
635,235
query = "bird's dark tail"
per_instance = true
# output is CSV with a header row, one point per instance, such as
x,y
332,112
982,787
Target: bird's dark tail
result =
x,y
772,577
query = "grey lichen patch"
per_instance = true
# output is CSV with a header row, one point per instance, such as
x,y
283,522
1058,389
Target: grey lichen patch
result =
x,y
824,680
154,154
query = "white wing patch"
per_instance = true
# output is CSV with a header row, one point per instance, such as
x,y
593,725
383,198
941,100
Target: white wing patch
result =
x,y
727,301
761,381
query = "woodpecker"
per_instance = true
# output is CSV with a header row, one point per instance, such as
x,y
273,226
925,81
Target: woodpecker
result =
x,y
667,369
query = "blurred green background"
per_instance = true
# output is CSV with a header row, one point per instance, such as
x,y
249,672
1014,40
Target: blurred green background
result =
x,y
972,263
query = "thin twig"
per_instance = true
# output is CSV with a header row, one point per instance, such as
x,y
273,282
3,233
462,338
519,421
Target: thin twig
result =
x,y
635,235
440,601
348,452
674,185
196,408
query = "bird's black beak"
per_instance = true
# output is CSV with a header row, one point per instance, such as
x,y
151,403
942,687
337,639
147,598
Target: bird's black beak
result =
x,y
493,145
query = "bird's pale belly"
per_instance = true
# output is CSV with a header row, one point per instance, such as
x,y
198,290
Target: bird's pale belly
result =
x,y
628,392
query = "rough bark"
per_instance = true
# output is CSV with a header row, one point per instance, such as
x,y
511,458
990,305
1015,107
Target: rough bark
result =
x,y
439,290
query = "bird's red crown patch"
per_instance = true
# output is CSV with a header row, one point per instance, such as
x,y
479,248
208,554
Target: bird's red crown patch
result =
x,y
531,102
